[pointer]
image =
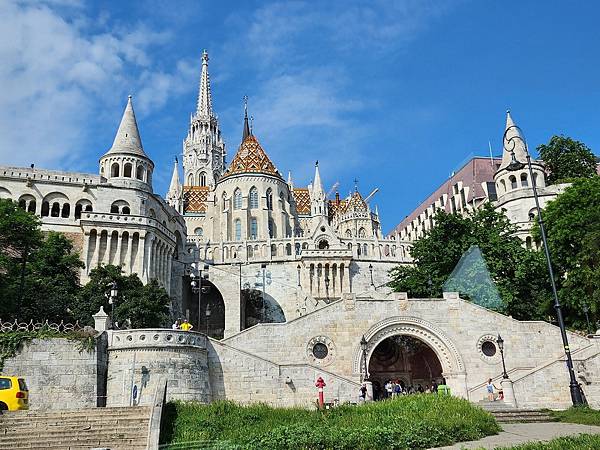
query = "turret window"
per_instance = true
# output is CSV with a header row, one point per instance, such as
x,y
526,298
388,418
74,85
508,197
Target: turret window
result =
x,y
272,233
202,179
127,170
362,233
513,182
139,173
253,228
199,232
253,198
269,198
502,186
237,199
114,170
524,182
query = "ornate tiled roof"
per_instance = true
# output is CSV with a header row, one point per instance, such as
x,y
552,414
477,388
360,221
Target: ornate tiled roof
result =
x,y
302,198
356,202
194,199
251,158
337,207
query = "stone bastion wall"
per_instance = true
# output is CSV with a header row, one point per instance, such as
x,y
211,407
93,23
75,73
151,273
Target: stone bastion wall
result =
x,y
139,359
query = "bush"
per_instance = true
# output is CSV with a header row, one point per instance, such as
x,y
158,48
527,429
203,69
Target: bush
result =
x,y
418,421
580,414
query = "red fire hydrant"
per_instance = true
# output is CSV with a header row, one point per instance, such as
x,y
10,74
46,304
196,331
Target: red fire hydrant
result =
x,y
320,384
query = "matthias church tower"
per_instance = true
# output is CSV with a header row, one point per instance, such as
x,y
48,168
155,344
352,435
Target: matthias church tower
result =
x,y
203,148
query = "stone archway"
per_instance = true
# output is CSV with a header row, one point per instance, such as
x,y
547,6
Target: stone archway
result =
x,y
211,299
450,360
404,359
258,308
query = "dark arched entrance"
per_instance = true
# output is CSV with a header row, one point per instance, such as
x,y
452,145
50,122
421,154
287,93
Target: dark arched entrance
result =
x,y
211,298
255,310
405,359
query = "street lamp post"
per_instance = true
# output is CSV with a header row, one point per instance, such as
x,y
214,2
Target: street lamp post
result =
x,y
586,311
263,266
197,286
111,300
363,346
500,343
298,268
371,272
515,165
207,317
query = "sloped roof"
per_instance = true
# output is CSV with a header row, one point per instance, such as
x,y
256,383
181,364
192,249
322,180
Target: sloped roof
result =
x,y
251,158
128,140
194,199
302,197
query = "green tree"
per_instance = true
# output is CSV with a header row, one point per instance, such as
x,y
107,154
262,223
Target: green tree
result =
x,y
572,223
518,273
146,306
567,158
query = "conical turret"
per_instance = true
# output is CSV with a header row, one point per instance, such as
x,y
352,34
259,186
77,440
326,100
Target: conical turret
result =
x,y
126,163
174,193
317,195
513,142
204,106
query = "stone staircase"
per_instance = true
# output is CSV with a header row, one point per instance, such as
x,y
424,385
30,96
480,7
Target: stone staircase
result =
x,y
507,414
85,429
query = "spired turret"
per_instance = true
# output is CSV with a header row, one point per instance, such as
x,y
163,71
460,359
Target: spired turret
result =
x,y
126,163
513,148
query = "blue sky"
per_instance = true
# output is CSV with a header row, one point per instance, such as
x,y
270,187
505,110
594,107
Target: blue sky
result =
x,y
395,94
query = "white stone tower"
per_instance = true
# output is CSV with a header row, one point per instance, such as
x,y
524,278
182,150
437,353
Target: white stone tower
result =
x,y
203,148
125,163
175,193
318,197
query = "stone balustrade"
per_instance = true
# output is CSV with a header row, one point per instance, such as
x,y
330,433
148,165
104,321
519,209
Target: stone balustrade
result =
x,y
154,338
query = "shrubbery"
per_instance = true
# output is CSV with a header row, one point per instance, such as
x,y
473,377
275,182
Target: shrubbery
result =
x,y
418,421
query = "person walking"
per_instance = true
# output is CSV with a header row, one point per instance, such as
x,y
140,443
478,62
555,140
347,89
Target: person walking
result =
x,y
186,326
490,390
176,325
362,393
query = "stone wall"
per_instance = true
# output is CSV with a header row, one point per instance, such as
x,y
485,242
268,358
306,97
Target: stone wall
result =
x,y
143,357
58,374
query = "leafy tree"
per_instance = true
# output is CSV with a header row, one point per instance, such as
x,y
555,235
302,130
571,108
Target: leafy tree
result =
x,y
567,158
518,273
146,306
572,223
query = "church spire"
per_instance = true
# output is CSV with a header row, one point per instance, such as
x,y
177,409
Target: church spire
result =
x,y
317,195
204,108
174,193
246,131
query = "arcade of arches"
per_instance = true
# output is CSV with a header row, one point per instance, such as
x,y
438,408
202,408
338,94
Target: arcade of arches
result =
x,y
210,300
404,358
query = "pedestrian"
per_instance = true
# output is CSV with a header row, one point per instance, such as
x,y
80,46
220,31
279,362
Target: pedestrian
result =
x,y
434,387
186,326
176,325
389,388
490,390
362,394
397,389
420,389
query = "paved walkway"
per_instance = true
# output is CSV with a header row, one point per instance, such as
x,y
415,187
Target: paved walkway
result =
x,y
520,433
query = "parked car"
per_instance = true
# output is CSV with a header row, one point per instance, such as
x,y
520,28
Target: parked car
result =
x,y
14,394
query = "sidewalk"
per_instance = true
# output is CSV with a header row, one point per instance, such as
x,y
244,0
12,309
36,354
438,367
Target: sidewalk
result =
x,y
520,433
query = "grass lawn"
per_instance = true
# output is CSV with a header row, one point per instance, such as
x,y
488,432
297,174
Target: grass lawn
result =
x,y
581,442
583,415
416,421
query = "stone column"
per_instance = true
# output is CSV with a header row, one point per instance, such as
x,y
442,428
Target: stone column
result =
x,y
127,265
509,392
138,264
347,276
106,257
98,248
117,260
86,251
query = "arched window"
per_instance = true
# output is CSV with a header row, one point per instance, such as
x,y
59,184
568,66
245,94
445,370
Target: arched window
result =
x,y
273,250
114,209
88,208
288,249
253,228
532,214
535,179
365,249
362,233
114,170
272,233
22,204
127,170
349,233
237,199
45,209
55,212
282,198
78,208
199,232
31,207
202,179
238,229
66,210
524,182
528,242
125,210
297,248
513,181
190,180
253,197
502,186
139,172
269,197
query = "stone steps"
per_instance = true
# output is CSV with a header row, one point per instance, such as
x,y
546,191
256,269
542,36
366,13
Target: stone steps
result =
x,y
507,414
115,428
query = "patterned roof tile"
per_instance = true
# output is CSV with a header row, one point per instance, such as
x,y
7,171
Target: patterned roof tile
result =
x,y
251,158
194,199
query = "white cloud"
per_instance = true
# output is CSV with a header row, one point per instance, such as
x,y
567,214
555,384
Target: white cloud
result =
x,y
56,75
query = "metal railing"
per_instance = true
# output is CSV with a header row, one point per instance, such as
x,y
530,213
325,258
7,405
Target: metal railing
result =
x,y
6,327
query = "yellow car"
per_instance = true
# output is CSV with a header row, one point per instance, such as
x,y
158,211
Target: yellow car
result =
x,y
14,394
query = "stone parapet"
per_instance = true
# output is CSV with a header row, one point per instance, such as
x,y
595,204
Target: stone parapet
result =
x,y
154,338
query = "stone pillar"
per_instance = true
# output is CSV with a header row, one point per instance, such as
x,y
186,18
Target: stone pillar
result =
x,y
106,257
509,392
127,266
98,248
86,251
117,260
347,276
101,320
369,386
